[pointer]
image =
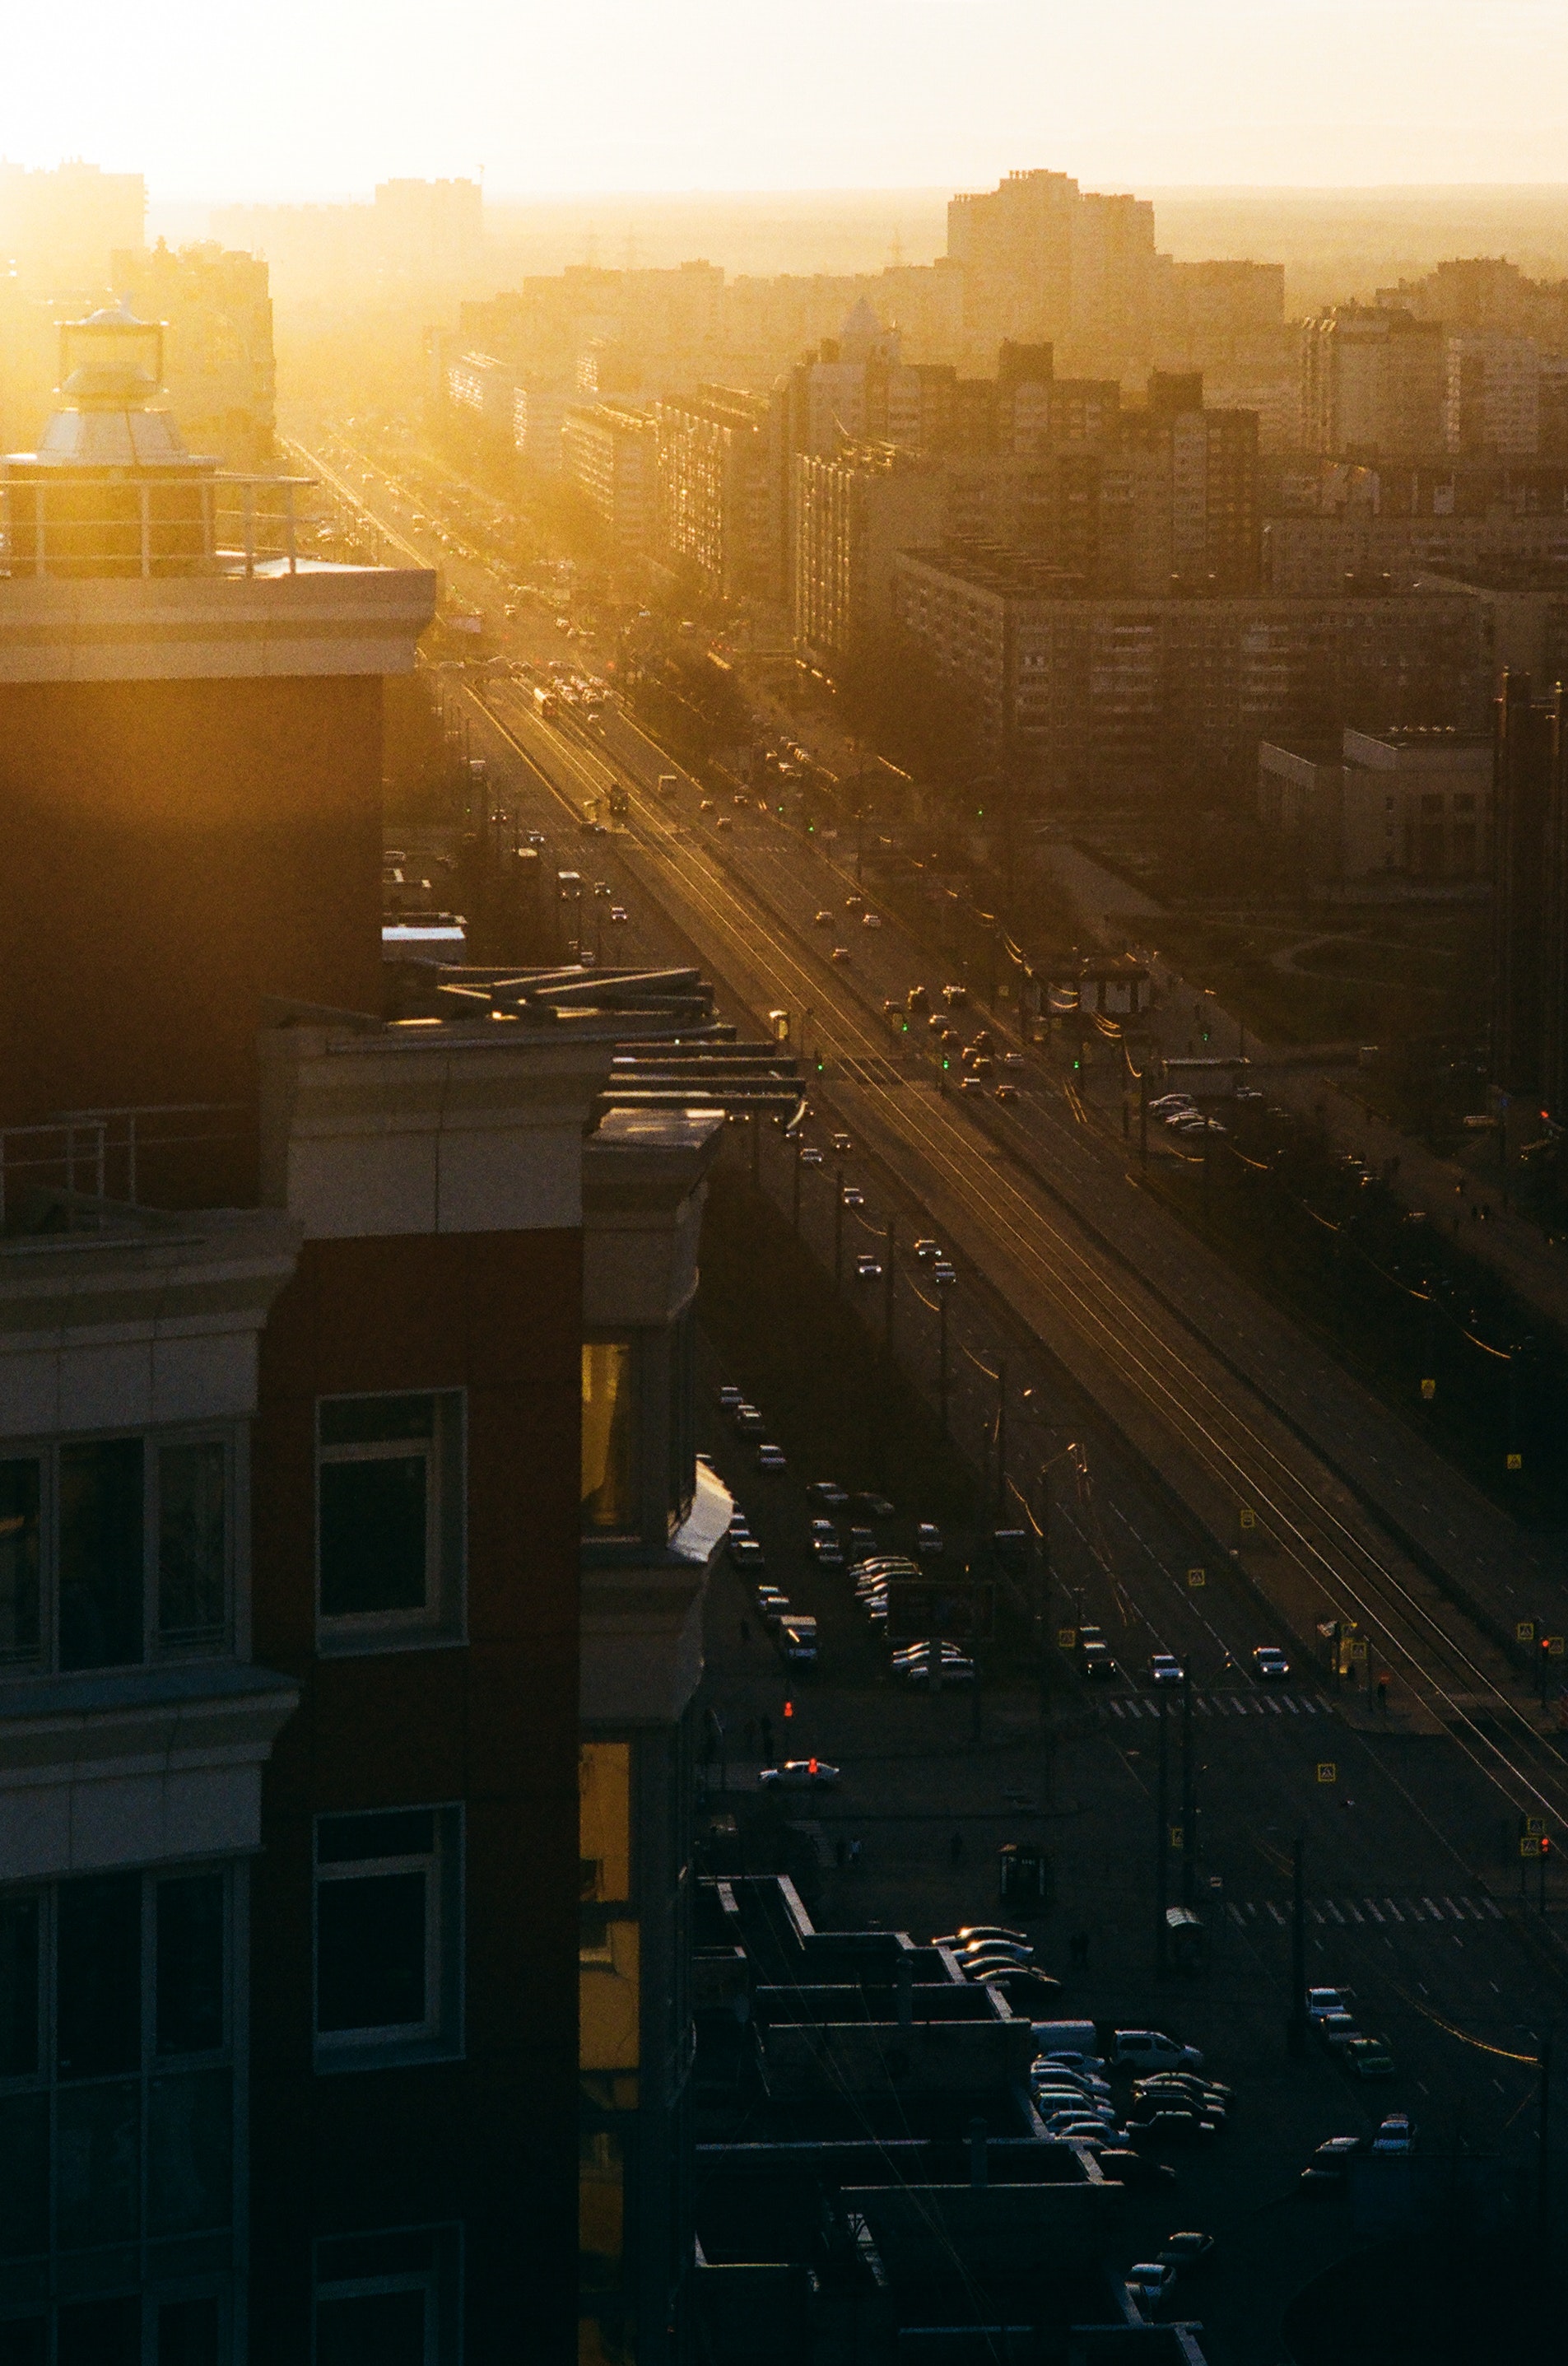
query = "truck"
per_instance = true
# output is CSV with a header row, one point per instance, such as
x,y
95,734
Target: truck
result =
x,y
546,705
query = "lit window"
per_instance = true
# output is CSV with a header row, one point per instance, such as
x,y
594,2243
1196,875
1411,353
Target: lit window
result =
x,y
610,1438
388,1937
389,1520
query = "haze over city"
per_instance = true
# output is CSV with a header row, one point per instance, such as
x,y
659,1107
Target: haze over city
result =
x,y
783,1184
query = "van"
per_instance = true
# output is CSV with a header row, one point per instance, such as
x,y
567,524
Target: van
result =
x,y
797,1641
668,783
1150,2049
1066,2038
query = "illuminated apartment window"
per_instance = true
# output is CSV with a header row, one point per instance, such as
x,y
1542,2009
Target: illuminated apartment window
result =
x,y
390,1521
610,1428
116,1550
389,1938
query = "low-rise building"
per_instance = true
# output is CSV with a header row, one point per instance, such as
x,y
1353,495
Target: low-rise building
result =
x,y
1406,804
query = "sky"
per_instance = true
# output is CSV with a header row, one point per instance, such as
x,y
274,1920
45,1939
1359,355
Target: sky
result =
x,y
321,98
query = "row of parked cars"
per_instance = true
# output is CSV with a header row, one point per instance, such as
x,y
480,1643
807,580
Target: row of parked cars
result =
x,y
1338,2031
995,1957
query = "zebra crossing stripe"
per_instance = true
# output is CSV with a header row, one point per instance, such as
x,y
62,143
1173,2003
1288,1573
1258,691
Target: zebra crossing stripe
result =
x,y
1493,1908
1371,1909
1393,1910
1274,1705
1204,1708
1311,1909
1275,1911
1453,1910
1471,1909
1354,1911
1334,1911
1239,1918
1291,1705
1435,1911
1115,1707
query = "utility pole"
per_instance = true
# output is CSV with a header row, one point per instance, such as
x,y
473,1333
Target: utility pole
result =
x,y
794,1212
1001,1442
887,1285
941,1354
1162,1850
1189,1799
1144,1112
838,1231
1296,2026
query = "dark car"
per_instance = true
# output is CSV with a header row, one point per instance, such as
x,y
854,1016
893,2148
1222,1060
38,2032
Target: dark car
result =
x,y
1128,2168
1096,1661
1326,2170
1185,2251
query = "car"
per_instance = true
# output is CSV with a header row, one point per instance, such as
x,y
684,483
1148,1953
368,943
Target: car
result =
x,y
1026,1989
704,804
771,1459
863,1541
1269,1664
942,1273
1014,1060
988,1957
1006,1093
840,952
730,1397
1168,1102
971,1085
927,1540
852,1196
841,1145
1367,2057
800,1774
955,996
725,823
1322,2000
918,1002
747,1554
1096,1662
940,1025
1396,2134
619,915
868,1268
770,1596
1186,2251
748,1420
969,1930
828,1492
827,1552
926,1251
871,920
1151,2049
740,798
822,919
878,1506
981,1064
854,902
1176,2125
1151,2280
1078,2065
1120,2165
1076,2124
1018,1951
954,1669
1337,2029
1165,1668
1330,2162
891,1006
809,1154
1192,2084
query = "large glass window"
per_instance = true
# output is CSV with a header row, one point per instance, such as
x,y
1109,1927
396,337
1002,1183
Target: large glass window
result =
x,y
113,1550
389,1496
388,1936
388,2299
116,2121
610,1439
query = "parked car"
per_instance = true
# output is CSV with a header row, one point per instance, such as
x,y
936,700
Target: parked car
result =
x,y
1150,2281
1028,1991
1121,2165
747,1555
840,953
748,1420
1338,2030
822,919
1150,2049
828,1492
878,1506
771,1459
1269,1664
1396,2134
1186,2251
969,1931
927,1540
730,1397
1367,2057
1329,2163
800,1774
1176,2126
1006,1093
1017,1950
797,1639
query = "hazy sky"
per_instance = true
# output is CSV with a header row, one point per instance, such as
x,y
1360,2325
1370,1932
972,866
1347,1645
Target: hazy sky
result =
x,y
324,98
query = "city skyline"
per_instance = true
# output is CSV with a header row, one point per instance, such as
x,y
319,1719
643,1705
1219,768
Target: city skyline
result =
x,y
917,93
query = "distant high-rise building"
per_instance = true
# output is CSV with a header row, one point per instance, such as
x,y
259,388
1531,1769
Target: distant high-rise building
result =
x,y
430,230
854,513
1374,383
1043,259
1494,394
217,350
715,511
1530,910
60,228
611,451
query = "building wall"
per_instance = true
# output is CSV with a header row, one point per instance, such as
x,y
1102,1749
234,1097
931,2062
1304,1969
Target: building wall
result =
x,y
179,849
218,353
487,2142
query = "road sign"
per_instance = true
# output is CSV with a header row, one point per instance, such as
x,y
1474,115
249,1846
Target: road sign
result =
x,y
1066,1638
1525,1631
1428,1390
1217,1882
1195,1577
1515,1461
1534,1827
1530,1847
1554,1646
1178,1837
1248,1519
1326,1771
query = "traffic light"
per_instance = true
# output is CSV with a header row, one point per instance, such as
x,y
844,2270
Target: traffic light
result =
x,y
789,1708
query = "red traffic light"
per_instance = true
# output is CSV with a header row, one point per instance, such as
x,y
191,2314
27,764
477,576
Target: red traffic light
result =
x,y
789,1708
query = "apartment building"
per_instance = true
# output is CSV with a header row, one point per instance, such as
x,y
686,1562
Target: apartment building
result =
x,y
58,227
218,351
610,453
1078,689
715,510
1043,259
1530,911
540,407
853,514
1494,394
1374,383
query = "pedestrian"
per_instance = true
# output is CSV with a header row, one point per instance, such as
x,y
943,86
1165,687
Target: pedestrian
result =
x,y
955,1848
855,1854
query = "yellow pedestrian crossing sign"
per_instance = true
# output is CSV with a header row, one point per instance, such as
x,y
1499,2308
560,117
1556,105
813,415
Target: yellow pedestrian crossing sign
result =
x,y
1195,1577
1327,1772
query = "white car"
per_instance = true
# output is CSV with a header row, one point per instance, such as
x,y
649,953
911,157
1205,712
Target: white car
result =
x,y
1165,1668
1150,2049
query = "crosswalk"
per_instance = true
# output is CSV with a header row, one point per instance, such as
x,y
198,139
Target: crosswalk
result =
x,y
1258,1703
1379,1914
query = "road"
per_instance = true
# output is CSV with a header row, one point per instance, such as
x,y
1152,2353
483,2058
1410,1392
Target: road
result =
x,y
1234,1411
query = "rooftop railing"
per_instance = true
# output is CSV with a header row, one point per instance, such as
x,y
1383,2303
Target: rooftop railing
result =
x,y
83,1170
64,523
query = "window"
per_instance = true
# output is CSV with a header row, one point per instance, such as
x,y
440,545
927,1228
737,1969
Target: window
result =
x,y
388,2299
388,1937
113,1551
389,1520
610,1430
117,2123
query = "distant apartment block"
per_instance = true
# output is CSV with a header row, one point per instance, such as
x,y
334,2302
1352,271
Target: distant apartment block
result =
x,y
220,373
1530,910
854,513
1400,806
60,228
610,453
538,414
1505,396
1044,260
430,230
1374,383
1076,690
715,513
